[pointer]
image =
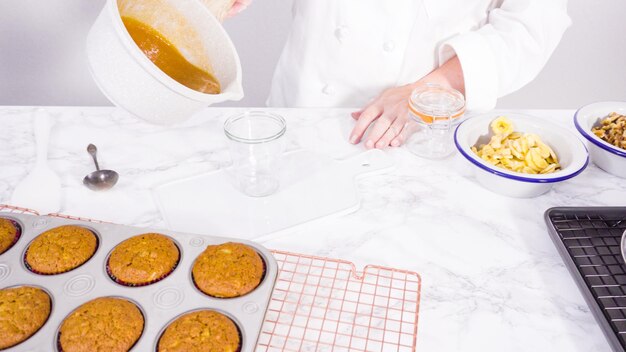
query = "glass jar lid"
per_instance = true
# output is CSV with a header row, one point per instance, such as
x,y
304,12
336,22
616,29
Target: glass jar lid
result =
x,y
431,102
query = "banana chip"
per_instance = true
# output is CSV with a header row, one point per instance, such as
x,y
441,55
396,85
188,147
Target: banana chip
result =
x,y
502,126
516,151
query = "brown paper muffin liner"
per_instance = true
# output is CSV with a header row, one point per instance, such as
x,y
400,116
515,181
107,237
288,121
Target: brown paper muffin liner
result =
x,y
128,284
60,349
30,268
180,315
260,282
42,325
18,234
143,315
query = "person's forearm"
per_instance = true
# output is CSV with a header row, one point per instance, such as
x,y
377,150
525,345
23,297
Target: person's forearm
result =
x,y
449,75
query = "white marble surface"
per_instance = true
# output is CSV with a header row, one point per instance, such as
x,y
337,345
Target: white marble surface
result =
x,y
492,279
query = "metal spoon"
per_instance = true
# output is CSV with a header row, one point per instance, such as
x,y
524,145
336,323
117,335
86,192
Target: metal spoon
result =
x,y
99,180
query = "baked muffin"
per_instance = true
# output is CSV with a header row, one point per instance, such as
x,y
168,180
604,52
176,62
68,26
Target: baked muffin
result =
x,y
143,259
23,311
103,324
9,234
228,270
60,249
203,330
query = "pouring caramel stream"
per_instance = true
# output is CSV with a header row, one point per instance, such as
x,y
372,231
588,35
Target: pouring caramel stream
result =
x,y
169,59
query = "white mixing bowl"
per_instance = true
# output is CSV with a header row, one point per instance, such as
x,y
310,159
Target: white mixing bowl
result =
x,y
131,81
605,155
571,152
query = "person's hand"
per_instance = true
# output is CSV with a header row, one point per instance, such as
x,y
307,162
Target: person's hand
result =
x,y
387,115
238,6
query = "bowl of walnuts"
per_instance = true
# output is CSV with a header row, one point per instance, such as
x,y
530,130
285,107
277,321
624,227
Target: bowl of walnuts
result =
x,y
519,155
604,127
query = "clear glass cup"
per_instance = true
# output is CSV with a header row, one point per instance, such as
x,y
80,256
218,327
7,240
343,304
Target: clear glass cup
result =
x,y
256,148
434,110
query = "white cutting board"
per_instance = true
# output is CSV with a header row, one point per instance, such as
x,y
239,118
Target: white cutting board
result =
x,y
312,186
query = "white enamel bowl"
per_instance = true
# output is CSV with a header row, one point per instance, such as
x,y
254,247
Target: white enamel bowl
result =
x,y
571,152
606,156
131,81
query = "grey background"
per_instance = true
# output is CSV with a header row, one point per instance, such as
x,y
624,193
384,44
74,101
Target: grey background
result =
x,y
42,58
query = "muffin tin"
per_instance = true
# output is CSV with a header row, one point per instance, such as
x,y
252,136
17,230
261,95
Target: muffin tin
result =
x,y
161,302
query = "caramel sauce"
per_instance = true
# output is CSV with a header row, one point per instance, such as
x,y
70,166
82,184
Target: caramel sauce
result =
x,y
169,59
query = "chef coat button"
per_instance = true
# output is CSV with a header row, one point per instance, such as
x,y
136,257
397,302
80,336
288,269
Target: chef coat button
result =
x,y
341,33
389,46
328,90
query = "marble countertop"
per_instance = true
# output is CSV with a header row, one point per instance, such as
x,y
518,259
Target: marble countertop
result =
x,y
492,279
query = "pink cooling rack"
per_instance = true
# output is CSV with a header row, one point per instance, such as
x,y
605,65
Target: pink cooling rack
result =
x,y
323,304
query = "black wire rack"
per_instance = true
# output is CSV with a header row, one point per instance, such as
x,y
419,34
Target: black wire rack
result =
x,y
589,241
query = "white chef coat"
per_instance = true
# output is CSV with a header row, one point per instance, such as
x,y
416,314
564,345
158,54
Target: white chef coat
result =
x,y
343,53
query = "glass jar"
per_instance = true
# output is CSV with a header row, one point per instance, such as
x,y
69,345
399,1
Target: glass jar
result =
x,y
256,148
434,110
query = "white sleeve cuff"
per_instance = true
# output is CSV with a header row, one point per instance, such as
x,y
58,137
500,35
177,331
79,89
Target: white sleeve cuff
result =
x,y
479,68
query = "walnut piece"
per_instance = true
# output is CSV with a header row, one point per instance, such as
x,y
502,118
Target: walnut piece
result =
x,y
612,129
